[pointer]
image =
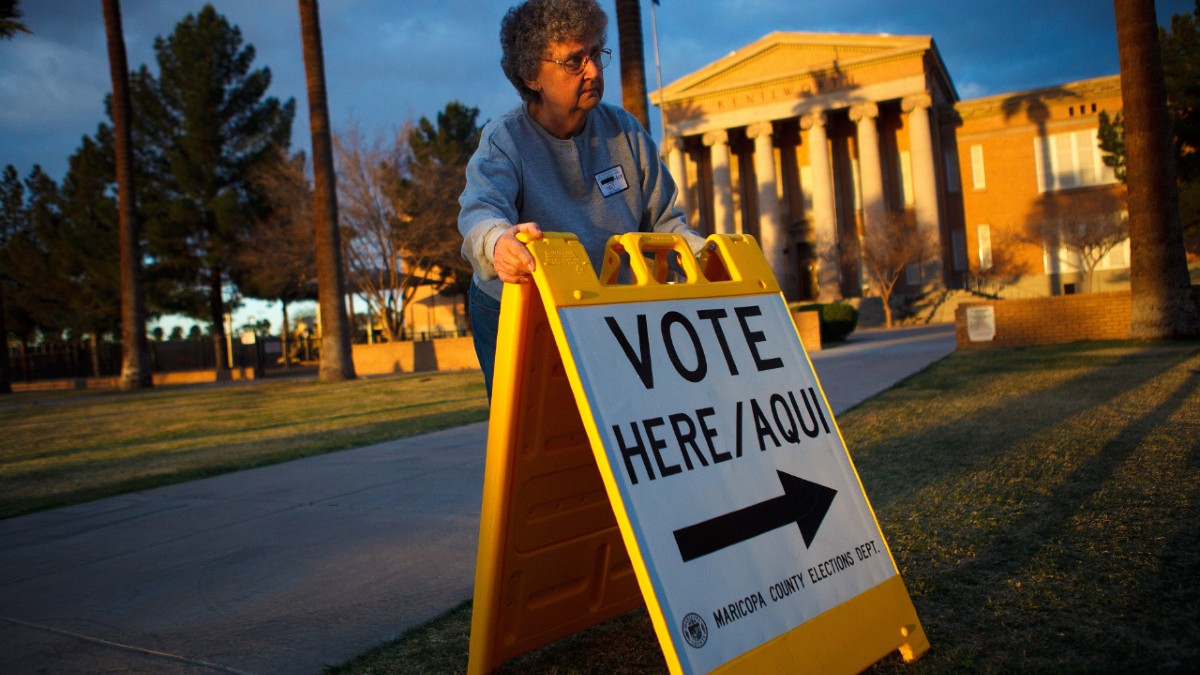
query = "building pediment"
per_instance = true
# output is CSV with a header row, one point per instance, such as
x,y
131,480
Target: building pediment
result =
x,y
828,61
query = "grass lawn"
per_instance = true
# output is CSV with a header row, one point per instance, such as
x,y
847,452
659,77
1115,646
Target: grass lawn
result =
x,y
61,448
1043,507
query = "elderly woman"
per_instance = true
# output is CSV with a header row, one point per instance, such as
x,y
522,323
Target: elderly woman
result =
x,y
561,161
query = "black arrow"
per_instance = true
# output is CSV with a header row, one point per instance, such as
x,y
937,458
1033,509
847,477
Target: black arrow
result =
x,y
803,502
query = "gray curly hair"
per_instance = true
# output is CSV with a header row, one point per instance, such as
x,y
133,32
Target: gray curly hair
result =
x,y
529,28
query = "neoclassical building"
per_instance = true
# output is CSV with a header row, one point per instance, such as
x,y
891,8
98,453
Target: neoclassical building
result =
x,y
807,141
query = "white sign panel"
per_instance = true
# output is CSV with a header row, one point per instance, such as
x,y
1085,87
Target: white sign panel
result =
x,y
981,323
747,512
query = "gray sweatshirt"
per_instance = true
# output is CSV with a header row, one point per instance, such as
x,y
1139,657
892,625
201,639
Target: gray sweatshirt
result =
x,y
607,180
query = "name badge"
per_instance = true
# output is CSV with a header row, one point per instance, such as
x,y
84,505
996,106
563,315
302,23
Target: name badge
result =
x,y
612,181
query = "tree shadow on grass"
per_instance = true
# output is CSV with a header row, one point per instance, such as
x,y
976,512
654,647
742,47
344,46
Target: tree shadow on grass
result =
x,y
1071,572
972,438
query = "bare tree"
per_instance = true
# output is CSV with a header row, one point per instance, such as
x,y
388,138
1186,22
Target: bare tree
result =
x,y
373,243
1081,239
1164,306
396,236
337,362
887,252
1001,264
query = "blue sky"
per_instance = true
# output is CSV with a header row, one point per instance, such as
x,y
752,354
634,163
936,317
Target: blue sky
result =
x,y
388,61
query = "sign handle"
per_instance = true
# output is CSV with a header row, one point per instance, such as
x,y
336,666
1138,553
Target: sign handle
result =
x,y
655,246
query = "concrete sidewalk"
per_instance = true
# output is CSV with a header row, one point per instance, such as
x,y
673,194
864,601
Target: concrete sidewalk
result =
x,y
288,568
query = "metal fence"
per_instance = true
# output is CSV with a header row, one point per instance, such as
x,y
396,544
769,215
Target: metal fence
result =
x,y
65,360
54,361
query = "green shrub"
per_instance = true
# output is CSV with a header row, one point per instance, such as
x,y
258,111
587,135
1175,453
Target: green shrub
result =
x,y
838,320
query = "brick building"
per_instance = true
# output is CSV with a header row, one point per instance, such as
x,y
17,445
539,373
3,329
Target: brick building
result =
x,y
1030,163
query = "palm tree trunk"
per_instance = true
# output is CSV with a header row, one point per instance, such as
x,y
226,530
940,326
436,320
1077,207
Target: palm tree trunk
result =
x,y
285,337
1163,302
94,344
337,363
216,309
135,361
5,371
633,63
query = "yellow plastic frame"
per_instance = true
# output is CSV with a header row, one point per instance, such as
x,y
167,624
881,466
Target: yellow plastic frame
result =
x,y
546,460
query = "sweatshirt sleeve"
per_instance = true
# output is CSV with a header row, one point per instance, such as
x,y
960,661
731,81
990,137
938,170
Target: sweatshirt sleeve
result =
x,y
488,204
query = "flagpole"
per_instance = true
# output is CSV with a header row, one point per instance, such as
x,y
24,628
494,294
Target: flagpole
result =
x,y
658,67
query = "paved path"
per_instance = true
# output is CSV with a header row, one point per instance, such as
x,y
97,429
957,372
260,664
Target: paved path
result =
x,y
292,567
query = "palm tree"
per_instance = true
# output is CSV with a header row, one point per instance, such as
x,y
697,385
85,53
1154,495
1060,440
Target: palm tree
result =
x,y
1163,303
337,363
135,361
5,383
9,26
10,14
633,68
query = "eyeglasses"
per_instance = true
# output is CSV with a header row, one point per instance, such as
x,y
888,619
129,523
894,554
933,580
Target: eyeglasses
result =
x,y
576,64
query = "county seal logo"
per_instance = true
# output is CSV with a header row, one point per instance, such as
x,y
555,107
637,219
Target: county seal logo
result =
x,y
695,631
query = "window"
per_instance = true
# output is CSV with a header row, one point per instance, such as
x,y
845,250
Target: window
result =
x,y
1070,160
1118,258
960,249
984,235
978,181
953,183
913,274
1062,259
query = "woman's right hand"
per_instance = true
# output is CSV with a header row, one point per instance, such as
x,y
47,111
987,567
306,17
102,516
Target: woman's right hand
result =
x,y
513,262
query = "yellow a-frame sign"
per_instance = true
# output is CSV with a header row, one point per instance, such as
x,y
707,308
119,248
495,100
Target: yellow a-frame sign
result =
x,y
669,443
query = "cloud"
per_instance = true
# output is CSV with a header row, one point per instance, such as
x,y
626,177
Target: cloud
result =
x,y
45,84
387,61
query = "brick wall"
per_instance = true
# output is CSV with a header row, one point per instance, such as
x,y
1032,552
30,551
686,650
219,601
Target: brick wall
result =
x,y
808,325
159,379
387,358
1054,320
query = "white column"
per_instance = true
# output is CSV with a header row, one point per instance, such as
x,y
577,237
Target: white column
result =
x,y
924,177
722,188
772,237
677,165
824,217
870,168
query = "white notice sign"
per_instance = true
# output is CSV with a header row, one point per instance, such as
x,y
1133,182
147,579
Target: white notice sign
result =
x,y
746,509
981,323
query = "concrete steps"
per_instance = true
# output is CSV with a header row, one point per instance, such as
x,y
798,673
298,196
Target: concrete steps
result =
x,y
938,307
